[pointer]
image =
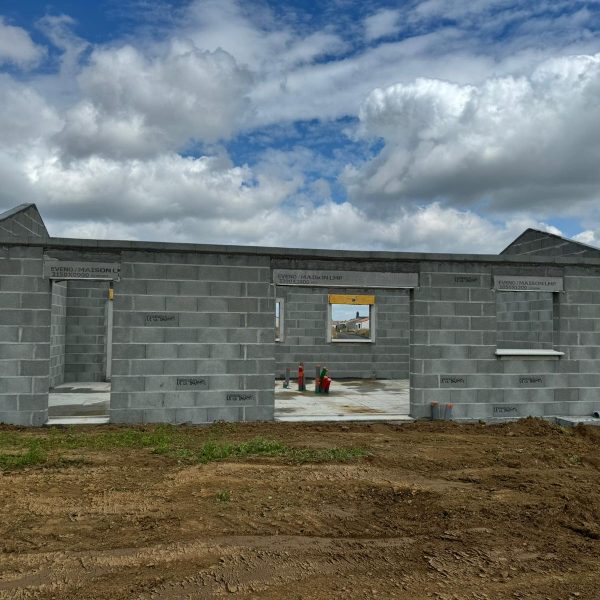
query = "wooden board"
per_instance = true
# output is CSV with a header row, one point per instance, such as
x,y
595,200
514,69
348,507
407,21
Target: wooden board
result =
x,y
351,299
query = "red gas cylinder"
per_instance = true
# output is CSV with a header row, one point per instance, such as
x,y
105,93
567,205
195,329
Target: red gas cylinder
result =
x,y
301,386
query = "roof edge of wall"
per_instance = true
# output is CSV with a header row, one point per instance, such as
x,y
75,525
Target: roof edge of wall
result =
x,y
552,235
290,253
16,210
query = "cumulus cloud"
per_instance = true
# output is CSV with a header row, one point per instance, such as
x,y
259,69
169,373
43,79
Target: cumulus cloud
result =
x,y
588,237
428,229
512,143
169,186
26,118
136,105
17,47
127,139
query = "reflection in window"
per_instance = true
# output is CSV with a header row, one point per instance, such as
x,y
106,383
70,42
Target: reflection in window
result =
x,y
351,322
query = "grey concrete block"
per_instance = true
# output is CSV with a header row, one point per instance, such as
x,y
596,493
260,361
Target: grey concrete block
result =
x,y
182,304
193,350
233,351
16,385
33,402
160,351
126,416
193,416
259,413
8,403
119,400
127,384
149,303
230,413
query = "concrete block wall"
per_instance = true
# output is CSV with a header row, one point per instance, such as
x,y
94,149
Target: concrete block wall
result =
x,y
305,321
85,345
455,338
525,320
22,221
24,336
193,338
58,323
541,243
579,390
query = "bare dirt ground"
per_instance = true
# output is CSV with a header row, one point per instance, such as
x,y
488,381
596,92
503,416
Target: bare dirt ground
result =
x,y
435,510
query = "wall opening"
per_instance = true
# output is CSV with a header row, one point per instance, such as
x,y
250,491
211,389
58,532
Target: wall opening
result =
x,y
526,320
80,344
351,322
360,335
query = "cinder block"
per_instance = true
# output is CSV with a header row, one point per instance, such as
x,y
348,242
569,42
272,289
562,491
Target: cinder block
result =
x,y
194,288
229,413
197,320
179,335
119,400
181,304
33,368
182,272
193,350
226,289
160,351
126,416
194,416
258,413
149,303
33,402
159,415
16,385
8,402
127,384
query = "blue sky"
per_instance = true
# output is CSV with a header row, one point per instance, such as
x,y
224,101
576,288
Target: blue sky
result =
x,y
424,125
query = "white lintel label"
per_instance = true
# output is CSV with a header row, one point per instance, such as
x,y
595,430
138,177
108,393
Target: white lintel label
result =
x,y
68,269
528,284
361,279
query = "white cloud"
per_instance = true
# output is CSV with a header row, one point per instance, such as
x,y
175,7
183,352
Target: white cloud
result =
x,y
169,186
59,30
136,105
427,229
588,237
26,119
467,123
17,47
513,143
384,22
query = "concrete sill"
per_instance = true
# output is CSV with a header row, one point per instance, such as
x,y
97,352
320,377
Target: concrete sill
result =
x,y
351,341
507,353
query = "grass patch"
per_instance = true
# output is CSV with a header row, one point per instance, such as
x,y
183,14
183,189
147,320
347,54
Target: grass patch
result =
x,y
33,455
214,451
24,449
223,496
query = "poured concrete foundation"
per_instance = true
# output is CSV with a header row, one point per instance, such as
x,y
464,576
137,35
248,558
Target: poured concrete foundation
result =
x,y
347,400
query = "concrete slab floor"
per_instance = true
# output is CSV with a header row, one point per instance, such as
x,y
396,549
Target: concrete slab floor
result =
x,y
79,400
348,400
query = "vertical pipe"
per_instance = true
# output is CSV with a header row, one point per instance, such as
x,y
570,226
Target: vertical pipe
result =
x,y
109,331
317,373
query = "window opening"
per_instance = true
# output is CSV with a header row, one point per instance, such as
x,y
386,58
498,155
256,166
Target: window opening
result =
x,y
351,318
526,320
278,320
